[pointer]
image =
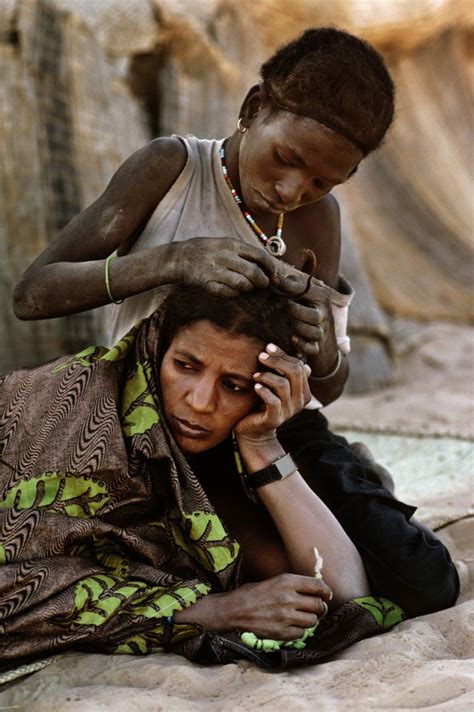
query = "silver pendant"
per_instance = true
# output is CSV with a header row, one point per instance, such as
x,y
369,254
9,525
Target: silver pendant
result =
x,y
276,246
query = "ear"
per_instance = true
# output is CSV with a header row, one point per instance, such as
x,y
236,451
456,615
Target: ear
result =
x,y
257,99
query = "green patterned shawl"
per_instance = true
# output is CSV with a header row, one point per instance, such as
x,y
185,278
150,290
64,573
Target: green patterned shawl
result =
x,y
105,531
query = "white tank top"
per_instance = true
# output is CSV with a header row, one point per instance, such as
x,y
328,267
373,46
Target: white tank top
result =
x,y
200,204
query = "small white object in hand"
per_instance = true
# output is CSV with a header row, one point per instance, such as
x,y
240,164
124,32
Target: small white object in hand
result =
x,y
318,564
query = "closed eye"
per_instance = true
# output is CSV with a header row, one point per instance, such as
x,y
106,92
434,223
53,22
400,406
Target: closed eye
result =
x,y
319,184
281,159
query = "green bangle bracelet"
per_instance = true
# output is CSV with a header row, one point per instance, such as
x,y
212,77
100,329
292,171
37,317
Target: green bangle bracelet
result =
x,y
107,279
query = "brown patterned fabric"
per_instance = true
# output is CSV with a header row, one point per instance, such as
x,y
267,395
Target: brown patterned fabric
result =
x,y
104,529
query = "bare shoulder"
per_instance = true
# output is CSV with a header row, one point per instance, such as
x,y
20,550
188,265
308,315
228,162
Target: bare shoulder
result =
x,y
151,171
116,219
165,152
326,216
319,227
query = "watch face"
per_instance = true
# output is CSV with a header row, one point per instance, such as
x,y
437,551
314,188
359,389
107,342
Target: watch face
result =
x,y
278,470
285,466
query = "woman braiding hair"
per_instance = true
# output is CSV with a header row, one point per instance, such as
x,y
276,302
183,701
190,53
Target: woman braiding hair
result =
x,y
239,213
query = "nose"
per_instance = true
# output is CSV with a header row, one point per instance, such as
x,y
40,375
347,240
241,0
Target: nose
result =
x,y
201,396
290,190
295,190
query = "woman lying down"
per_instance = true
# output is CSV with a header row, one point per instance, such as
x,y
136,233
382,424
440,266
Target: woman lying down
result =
x,y
172,493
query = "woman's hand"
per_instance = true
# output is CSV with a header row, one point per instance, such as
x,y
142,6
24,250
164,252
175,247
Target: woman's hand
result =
x,y
313,323
311,310
315,334
225,266
279,608
284,391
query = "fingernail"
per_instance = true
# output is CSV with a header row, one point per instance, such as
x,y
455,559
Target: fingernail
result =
x,y
272,348
257,374
330,595
263,356
258,386
326,608
307,369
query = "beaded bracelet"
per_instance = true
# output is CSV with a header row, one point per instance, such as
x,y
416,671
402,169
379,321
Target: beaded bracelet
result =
x,y
107,279
333,372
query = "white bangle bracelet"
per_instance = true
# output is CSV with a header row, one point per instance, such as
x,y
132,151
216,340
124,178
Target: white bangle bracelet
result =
x,y
333,372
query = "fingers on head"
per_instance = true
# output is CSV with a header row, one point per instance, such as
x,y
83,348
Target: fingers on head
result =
x,y
260,257
274,381
220,289
291,378
240,282
230,284
308,314
293,284
309,332
282,362
257,276
310,348
269,398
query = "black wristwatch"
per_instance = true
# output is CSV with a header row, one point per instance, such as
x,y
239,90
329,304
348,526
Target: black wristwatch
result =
x,y
278,470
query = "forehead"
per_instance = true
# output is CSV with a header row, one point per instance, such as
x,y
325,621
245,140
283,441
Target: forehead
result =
x,y
218,348
313,142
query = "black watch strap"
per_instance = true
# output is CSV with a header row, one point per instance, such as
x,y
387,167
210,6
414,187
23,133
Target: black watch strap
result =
x,y
278,470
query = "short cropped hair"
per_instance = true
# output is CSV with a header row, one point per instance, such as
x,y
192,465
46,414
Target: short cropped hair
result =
x,y
337,79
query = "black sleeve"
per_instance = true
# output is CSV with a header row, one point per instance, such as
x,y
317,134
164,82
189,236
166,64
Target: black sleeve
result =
x,y
404,561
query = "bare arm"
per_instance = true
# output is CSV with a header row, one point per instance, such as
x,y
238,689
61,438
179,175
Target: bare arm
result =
x,y
68,277
324,362
304,521
301,517
329,368
316,337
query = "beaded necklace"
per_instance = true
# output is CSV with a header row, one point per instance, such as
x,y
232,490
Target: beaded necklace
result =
x,y
274,244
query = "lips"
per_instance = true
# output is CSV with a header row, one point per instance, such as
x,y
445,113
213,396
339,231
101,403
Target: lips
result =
x,y
272,207
188,429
